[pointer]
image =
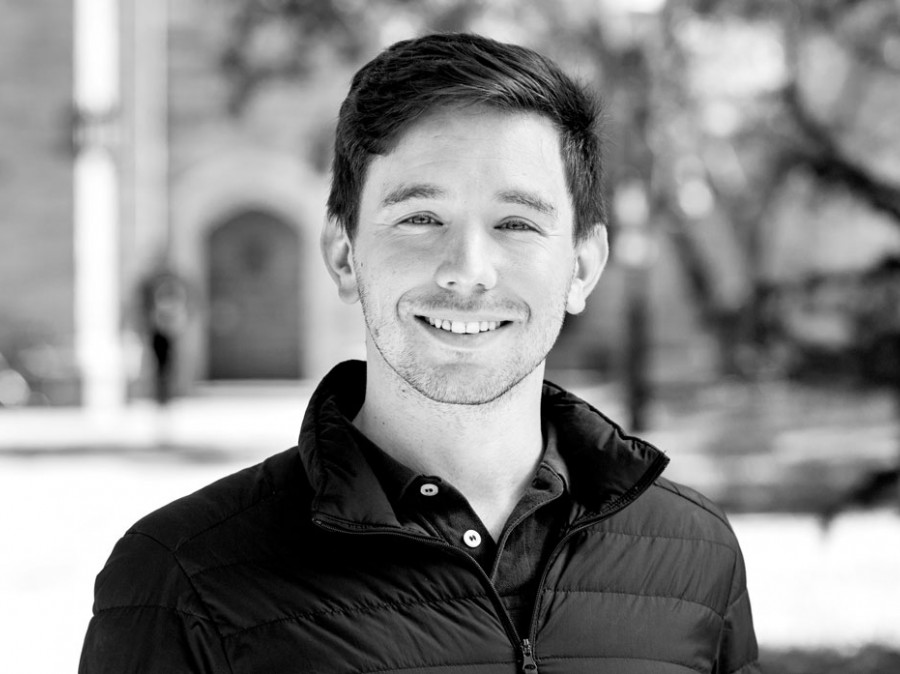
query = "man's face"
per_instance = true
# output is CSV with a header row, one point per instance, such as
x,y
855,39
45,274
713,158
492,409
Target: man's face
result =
x,y
464,256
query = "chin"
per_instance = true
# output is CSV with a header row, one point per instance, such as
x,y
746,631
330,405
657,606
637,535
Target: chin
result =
x,y
461,386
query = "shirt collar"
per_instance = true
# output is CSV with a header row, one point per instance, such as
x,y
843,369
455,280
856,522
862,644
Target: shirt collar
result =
x,y
397,479
579,441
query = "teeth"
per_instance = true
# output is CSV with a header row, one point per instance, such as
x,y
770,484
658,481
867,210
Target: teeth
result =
x,y
462,327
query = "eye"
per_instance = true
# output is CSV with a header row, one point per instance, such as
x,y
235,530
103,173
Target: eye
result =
x,y
517,226
420,219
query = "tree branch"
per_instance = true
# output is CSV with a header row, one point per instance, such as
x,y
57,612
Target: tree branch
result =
x,y
830,163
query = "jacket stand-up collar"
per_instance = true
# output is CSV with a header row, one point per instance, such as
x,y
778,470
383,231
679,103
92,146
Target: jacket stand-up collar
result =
x,y
608,468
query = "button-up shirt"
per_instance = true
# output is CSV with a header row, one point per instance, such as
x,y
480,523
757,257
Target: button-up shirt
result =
x,y
513,562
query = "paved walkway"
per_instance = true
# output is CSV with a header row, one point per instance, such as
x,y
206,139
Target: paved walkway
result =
x,y
229,418
773,448
70,484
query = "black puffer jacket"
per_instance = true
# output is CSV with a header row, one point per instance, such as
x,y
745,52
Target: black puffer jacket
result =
x,y
299,565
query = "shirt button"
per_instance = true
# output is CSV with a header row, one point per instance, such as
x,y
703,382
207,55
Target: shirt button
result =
x,y
472,538
428,489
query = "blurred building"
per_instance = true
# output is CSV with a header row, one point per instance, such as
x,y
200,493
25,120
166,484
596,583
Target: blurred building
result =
x,y
133,185
230,205
37,263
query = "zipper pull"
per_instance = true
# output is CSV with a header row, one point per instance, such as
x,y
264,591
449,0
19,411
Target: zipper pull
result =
x,y
528,664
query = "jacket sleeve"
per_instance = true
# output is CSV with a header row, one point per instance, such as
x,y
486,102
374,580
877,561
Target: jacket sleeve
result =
x,y
738,650
148,618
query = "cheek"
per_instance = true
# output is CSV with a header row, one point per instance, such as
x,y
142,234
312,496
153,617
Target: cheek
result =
x,y
382,283
540,270
390,252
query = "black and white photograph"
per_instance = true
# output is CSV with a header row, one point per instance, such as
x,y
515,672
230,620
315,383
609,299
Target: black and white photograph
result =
x,y
484,336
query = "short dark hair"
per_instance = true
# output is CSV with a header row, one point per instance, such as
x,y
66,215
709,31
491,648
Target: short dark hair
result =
x,y
412,77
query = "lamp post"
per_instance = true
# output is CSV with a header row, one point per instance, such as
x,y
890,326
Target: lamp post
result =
x,y
635,250
637,27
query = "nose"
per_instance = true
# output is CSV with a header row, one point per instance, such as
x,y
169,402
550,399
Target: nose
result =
x,y
466,263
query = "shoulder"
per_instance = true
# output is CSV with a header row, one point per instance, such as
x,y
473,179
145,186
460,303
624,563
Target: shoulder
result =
x,y
690,506
154,562
673,541
668,510
231,501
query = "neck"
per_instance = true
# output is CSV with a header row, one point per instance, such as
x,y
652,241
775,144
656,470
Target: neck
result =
x,y
488,452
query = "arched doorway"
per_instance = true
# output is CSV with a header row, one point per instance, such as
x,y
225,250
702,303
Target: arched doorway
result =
x,y
254,293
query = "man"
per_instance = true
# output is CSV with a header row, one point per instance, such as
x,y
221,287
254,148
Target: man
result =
x,y
163,314
445,509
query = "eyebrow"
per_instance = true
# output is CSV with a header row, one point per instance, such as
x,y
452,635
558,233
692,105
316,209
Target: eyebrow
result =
x,y
409,191
412,191
529,200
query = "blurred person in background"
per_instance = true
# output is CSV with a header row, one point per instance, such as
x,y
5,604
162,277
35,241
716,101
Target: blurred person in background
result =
x,y
164,314
445,507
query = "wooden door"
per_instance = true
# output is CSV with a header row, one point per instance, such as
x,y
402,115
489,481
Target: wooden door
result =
x,y
254,291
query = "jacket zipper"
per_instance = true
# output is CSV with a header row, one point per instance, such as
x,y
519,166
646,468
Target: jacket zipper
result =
x,y
494,596
615,507
529,666
525,647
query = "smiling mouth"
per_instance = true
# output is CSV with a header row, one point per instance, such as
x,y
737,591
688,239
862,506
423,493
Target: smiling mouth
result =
x,y
462,327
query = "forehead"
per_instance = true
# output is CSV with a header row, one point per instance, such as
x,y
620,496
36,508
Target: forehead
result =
x,y
474,145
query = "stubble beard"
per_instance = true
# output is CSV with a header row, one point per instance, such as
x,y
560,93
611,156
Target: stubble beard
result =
x,y
462,383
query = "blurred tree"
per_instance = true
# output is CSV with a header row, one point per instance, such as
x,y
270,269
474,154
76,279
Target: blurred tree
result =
x,y
716,107
286,39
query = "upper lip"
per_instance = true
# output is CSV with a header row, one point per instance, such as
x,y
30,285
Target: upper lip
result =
x,y
473,318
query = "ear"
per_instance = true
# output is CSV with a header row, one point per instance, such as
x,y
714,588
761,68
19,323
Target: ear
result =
x,y
590,259
337,250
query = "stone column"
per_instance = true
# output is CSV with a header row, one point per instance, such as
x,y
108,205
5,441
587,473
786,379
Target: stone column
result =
x,y
98,340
